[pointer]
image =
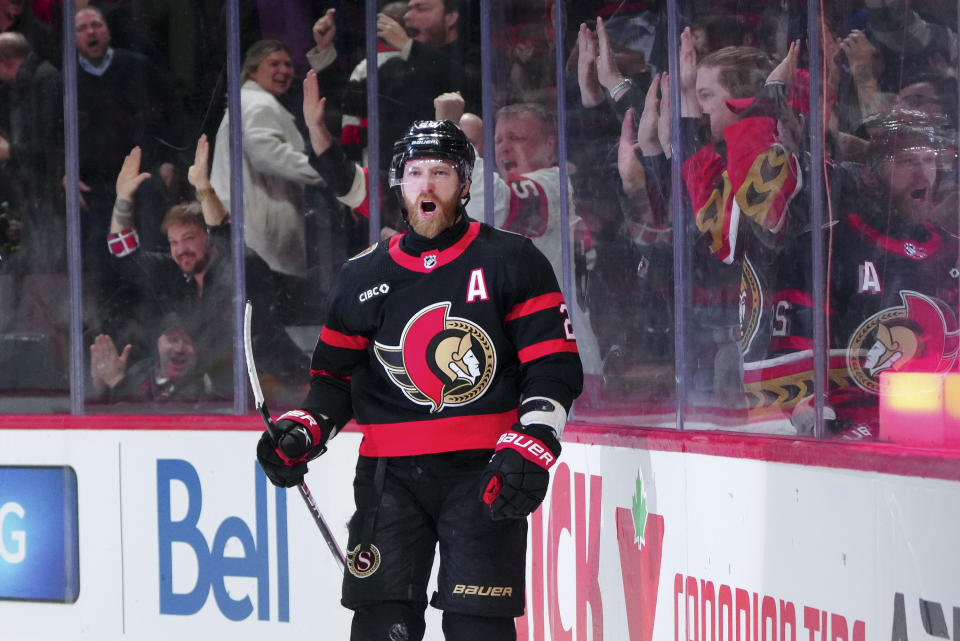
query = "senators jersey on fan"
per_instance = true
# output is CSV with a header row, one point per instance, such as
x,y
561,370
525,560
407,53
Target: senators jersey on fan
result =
x,y
893,300
743,201
431,347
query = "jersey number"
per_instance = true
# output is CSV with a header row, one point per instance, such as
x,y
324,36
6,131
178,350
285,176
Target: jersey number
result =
x,y
567,325
781,323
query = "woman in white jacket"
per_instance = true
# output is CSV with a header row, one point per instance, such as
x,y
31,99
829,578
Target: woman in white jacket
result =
x,y
275,166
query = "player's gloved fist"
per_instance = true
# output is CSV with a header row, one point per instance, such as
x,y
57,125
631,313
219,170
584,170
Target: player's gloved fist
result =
x,y
516,478
277,470
300,438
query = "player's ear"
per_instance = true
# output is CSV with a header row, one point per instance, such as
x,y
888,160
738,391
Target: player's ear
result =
x,y
450,19
465,190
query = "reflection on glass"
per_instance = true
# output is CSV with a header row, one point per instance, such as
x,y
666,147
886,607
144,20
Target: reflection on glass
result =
x,y
744,106
620,178
151,77
34,321
892,243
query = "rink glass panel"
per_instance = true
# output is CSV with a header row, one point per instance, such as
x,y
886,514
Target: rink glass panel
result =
x,y
622,238
745,358
34,286
745,246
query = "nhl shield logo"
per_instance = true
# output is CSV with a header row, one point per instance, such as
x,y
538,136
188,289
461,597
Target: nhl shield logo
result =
x,y
441,360
430,261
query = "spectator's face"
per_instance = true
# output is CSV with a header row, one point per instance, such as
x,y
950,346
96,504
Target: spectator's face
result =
x,y
188,246
11,9
93,36
426,22
922,97
910,176
712,98
431,191
521,146
177,355
274,73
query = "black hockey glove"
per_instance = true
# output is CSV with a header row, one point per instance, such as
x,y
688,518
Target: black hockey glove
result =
x,y
516,478
300,438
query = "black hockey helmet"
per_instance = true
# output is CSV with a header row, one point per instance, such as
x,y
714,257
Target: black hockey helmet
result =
x,y
433,139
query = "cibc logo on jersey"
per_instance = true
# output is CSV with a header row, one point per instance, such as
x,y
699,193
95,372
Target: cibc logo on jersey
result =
x,y
920,336
441,360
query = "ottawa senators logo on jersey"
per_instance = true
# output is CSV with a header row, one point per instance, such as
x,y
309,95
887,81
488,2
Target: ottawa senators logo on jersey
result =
x,y
920,336
441,360
750,306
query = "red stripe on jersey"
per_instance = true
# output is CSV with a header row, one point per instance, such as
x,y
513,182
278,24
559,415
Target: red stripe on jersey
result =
x,y
800,365
337,339
795,296
435,435
448,255
539,350
917,251
323,372
790,342
535,304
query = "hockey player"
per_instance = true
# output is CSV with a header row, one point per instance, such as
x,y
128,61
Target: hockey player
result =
x,y
527,192
893,272
451,346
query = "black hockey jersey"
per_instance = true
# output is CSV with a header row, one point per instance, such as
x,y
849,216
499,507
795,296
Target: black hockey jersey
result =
x,y
893,300
892,307
431,344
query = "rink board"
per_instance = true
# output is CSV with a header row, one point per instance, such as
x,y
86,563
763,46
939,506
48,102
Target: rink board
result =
x,y
178,535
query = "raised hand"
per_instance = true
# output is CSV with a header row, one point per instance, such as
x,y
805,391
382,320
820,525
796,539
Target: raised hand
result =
x,y
130,176
688,75
449,106
664,120
631,171
787,68
591,91
324,29
107,366
647,137
314,109
391,32
860,52
607,71
199,172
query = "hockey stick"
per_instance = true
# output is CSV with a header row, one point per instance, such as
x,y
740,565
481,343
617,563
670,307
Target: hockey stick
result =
x,y
272,429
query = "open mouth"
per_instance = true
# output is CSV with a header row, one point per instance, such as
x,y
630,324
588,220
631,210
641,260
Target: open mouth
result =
x,y
919,194
428,207
509,165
